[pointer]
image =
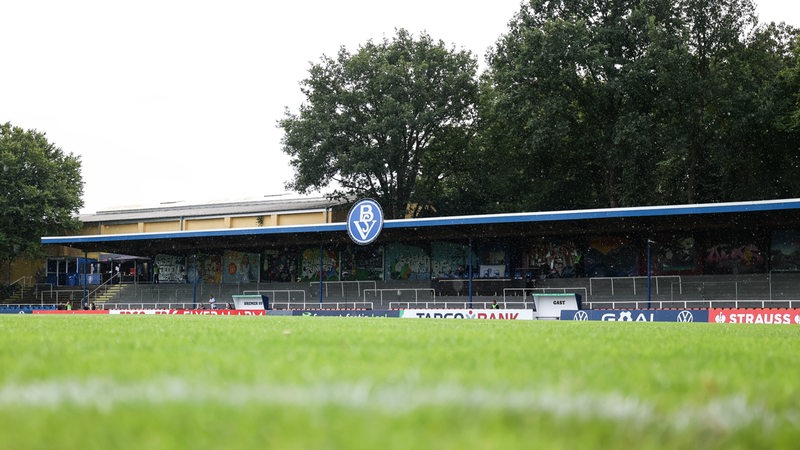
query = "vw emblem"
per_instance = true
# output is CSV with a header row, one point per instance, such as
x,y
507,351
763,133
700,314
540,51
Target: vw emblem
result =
x,y
685,316
364,221
580,315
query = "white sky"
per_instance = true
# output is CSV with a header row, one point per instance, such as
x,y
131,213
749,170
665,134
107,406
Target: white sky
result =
x,y
178,100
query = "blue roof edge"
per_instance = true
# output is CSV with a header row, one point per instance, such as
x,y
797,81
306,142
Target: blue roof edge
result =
x,y
543,216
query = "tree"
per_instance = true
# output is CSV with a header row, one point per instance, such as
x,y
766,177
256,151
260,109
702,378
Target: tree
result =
x,y
790,77
391,121
626,103
41,191
573,94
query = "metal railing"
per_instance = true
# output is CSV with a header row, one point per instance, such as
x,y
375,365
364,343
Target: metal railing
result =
x,y
690,304
274,293
655,279
399,291
460,305
221,306
358,284
507,292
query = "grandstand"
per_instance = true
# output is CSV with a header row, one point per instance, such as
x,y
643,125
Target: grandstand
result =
x,y
712,255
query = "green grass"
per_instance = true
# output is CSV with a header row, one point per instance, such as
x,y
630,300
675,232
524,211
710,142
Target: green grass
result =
x,y
166,382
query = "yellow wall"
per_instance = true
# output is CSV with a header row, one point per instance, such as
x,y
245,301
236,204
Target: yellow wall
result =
x,y
192,224
309,218
204,224
120,228
161,227
21,267
245,222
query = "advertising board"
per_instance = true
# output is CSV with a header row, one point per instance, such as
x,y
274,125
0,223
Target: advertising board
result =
x,y
767,316
481,314
636,315
346,313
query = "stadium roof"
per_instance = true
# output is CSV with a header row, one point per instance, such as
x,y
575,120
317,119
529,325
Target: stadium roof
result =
x,y
627,221
230,208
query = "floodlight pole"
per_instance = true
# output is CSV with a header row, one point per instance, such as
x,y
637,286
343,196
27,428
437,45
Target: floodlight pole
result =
x,y
469,287
194,283
649,272
321,279
85,300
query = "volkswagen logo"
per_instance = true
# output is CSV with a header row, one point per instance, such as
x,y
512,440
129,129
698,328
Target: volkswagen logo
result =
x,y
580,315
685,316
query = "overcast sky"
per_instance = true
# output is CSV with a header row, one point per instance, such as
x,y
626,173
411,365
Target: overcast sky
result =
x,y
167,100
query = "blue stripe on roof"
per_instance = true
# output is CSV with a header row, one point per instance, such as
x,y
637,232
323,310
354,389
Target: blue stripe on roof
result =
x,y
606,213
550,216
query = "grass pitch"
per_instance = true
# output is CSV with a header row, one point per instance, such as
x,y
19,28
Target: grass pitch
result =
x,y
167,382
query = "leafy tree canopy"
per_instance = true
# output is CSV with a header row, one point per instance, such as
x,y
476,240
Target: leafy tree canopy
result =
x,y
390,121
41,191
598,103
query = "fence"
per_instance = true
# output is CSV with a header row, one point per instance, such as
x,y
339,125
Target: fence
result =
x,y
655,281
358,284
273,305
507,292
399,291
274,293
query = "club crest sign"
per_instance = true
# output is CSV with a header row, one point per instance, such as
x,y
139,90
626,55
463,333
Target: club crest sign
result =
x,y
365,221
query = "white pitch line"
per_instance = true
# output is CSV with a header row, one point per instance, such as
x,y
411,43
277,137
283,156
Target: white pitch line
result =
x,y
725,413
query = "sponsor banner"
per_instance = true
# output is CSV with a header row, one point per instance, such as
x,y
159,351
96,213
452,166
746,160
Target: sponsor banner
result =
x,y
186,312
484,314
636,315
72,312
346,313
755,315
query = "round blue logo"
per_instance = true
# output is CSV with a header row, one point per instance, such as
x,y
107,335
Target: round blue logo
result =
x,y
365,221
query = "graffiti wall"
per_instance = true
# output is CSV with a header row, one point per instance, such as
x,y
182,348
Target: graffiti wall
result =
x,y
362,263
240,267
611,257
310,261
554,259
450,260
210,268
279,265
407,262
733,256
785,250
171,269
675,254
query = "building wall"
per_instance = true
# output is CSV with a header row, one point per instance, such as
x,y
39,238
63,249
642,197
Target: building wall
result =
x,y
21,267
208,223
248,222
119,228
205,223
162,227
309,218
